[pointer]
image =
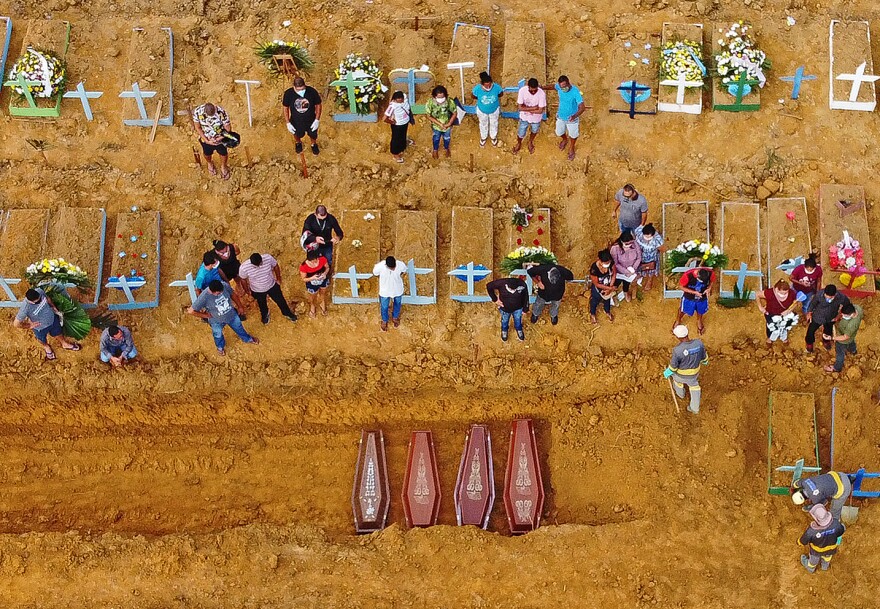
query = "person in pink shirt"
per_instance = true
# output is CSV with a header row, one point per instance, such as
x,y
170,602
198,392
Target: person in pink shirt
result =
x,y
806,279
627,256
532,103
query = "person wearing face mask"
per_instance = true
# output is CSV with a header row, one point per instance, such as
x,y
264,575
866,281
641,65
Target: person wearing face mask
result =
x,y
568,117
323,230
302,113
487,94
532,103
227,254
602,285
844,336
806,279
778,300
627,257
822,313
651,243
398,115
208,271
441,112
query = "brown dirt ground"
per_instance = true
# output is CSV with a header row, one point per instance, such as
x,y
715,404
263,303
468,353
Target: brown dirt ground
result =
x,y
191,481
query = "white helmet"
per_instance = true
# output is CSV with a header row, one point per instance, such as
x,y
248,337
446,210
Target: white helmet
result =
x,y
797,497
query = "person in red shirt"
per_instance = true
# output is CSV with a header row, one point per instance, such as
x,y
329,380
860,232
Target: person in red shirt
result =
x,y
778,300
315,272
696,284
806,279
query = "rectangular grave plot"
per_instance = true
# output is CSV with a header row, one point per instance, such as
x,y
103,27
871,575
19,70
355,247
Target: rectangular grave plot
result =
x,y
524,58
78,235
786,238
366,43
22,242
52,35
359,249
535,234
741,241
792,434
626,67
722,100
850,47
150,65
691,99
832,225
469,43
416,239
140,264
682,222
472,242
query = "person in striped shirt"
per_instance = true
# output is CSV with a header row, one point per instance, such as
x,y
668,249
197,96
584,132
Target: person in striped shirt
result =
x,y
261,277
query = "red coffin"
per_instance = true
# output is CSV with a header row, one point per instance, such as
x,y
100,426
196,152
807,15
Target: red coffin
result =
x,y
371,497
475,486
421,484
523,487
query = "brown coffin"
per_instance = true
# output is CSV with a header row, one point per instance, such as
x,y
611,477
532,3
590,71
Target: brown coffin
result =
x,y
421,484
523,486
371,496
475,486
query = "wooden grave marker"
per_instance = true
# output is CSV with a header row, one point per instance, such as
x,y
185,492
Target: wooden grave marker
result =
x,y
851,75
421,484
832,223
22,242
525,56
471,253
371,495
792,439
633,76
787,231
353,281
741,241
523,484
681,94
136,262
741,95
469,54
42,35
78,234
148,52
475,485
682,222
415,243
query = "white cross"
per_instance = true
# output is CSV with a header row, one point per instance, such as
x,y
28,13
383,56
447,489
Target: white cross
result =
x,y
461,67
247,91
857,79
682,83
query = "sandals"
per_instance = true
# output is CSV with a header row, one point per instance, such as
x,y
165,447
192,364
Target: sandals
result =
x,y
212,170
221,352
701,328
73,347
571,156
226,174
563,144
517,148
531,148
50,355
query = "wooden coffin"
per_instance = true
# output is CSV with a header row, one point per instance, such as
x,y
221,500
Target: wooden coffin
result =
x,y
421,484
523,486
475,485
371,497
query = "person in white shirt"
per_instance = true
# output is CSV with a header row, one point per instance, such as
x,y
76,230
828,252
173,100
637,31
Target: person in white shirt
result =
x,y
398,116
390,273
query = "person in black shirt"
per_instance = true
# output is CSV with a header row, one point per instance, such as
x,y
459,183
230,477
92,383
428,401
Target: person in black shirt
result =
x,y
602,285
511,296
550,280
323,229
302,111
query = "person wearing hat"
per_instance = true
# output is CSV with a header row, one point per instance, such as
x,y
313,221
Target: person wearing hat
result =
x,y
822,538
835,487
684,367
212,124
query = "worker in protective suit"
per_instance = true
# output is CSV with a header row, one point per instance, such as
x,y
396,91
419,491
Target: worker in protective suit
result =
x,y
835,487
684,366
821,538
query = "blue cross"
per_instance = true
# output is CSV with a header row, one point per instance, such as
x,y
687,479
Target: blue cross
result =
x,y
413,297
11,300
352,275
790,264
741,275
471,274
139,97
797,79
84,97
634,90
187,283
797,470
411,80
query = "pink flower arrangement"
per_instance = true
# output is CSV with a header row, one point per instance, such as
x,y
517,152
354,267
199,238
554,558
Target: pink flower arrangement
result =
x,y
846,254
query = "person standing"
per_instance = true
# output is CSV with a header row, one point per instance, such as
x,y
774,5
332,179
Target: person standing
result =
x,y
390,274
488,94
532,103
117,346
806,279
778,300
696,286
627,256
602,285
315,272
220,306
38,314
208,271
844,337
822,313
227,255
211,122
324,229
550,280
821,538
630,208
568,117
398,116
260,276
835,487
651,244
511,296
684,366
302,113
441,111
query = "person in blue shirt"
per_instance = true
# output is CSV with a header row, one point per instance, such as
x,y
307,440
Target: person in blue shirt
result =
x,y
488,107
568,117
208,272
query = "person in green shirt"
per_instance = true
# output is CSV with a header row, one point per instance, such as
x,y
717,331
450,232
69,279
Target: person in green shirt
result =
x,y
441,112
845,334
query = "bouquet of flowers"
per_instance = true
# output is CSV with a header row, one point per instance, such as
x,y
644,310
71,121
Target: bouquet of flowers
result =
x,y
682,56
363,68
846,254
266,50
521,215
739,54
43,68
704,253
56,270
779,325
524,255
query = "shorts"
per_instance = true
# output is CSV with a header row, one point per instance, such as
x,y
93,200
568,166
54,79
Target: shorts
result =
x,y
52,330
689,307
129,355
570,128
312,288
524,127
301,130
209,149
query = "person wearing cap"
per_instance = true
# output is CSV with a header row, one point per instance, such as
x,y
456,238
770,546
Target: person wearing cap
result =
x,y
38,314
844,334
696,286
323,228
684,367
835,487
822,538
390,273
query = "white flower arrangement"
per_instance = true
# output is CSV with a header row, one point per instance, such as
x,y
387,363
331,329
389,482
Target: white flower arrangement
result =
x,y
739,54
780,325
363,68
43,68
